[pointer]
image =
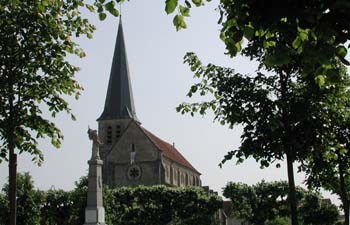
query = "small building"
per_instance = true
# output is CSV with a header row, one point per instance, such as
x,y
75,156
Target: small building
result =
x,y
133,155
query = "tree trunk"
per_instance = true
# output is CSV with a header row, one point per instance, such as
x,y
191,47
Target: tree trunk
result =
x,y
343,191
285,110
12,170
292,193
11,127
13,186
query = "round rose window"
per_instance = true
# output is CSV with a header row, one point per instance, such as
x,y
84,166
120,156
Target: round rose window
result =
x,y
134,172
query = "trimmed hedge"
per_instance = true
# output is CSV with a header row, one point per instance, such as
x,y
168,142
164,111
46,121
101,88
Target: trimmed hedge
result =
x,y
156,205
161,205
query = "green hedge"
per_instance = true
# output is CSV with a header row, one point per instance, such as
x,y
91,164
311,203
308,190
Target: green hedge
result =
x,y
156,205
160,205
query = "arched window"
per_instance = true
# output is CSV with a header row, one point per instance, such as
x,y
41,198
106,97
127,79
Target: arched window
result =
x,y
109,135
118,131
174,176
167,173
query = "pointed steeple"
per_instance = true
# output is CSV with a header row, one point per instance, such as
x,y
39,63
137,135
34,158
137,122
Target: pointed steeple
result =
x,y
119,102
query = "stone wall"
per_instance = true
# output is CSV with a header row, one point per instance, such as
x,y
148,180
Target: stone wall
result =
x,y
178,175
109,132
150,166
119,171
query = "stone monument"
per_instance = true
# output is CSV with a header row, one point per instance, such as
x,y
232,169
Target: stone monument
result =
x,y
94,211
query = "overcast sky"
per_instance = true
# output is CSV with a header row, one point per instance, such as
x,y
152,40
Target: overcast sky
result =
x,y
160,82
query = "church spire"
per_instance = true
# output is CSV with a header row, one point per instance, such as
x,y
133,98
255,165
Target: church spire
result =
x,y
119,102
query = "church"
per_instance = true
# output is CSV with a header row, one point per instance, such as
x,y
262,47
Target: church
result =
x,y
131,154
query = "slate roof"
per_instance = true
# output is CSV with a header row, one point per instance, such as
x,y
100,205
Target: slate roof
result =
x,y
119,102
169,150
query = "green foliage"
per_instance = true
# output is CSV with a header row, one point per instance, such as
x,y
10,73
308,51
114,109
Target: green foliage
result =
x,y
103,7
179,22
78,197
264,201
170,6
255,102
4,209
65,208
300,53
36,38
315,212
160,205
308,32
28,199
183,10
267,203
278,221
34,71
56,208
275,105
328,164
141,205
52,207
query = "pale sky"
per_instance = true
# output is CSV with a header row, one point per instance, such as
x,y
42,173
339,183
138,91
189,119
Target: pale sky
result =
x,y
160,82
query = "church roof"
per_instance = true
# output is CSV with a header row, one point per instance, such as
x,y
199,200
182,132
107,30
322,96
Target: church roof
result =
x,y
169,150
119,102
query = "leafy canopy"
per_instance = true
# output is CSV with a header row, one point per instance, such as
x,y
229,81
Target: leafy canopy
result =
x,y
267,203
327,164
260,202
316,31
254,102
36,38
27,198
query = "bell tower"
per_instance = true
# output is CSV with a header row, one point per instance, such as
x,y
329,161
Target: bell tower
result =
x,y
131,154
119,108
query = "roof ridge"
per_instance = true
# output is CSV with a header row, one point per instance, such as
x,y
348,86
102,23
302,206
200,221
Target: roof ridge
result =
x,y
186,163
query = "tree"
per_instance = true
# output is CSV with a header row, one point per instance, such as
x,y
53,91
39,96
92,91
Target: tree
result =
x,y
313,34
35,39
267,203
328,165
295,47
29,201
274,110
326,23
259,203
78,197
315,211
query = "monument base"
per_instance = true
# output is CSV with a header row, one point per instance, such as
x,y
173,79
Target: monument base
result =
x,y
95,216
